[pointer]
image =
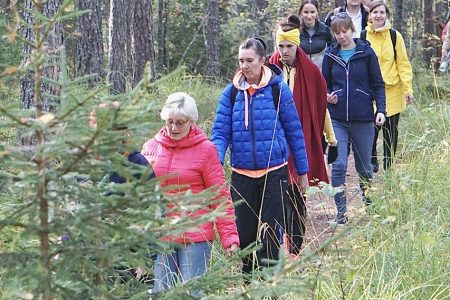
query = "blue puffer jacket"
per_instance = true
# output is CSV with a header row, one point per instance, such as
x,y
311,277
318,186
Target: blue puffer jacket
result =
x,y
258,146
357,83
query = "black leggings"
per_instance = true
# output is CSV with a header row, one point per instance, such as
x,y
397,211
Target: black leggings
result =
x,y
259,217
390,139
296,219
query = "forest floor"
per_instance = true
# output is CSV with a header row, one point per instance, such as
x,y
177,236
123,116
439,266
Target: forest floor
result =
x,y
322,210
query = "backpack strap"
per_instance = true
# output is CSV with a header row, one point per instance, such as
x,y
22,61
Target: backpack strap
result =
x,y
275,95
393,34
233,94
363,34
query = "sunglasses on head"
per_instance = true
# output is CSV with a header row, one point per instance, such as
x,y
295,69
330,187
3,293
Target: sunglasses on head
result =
x,y
341,15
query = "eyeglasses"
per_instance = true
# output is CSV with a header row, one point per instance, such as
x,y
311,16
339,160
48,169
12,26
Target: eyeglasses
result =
x,y
177,123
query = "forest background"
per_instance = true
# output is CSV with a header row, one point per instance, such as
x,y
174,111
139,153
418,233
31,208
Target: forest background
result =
x,y
60,59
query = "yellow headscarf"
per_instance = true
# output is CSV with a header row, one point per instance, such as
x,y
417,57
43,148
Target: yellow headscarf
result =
x,y
292,36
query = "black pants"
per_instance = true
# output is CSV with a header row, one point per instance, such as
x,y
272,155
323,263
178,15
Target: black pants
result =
x,y
390,139
296,219
259,218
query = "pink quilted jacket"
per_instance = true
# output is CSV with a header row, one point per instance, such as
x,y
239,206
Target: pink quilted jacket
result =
x,y
192,163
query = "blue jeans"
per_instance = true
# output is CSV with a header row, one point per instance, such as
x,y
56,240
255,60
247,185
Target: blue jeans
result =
x,y
186,262
360,134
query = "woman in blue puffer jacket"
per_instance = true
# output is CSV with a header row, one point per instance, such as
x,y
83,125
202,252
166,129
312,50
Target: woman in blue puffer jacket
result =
x,y
354,81
261,133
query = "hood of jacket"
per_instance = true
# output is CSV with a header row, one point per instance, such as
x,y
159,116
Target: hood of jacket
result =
x,y
384,28
195,136
272,74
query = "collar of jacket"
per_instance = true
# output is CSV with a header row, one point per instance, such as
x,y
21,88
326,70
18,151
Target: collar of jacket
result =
x,y
195,136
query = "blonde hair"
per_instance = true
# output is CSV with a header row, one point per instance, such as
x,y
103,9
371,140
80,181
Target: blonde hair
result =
x,y
180,104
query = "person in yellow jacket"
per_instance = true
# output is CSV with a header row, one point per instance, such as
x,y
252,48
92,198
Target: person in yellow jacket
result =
x,y
397,74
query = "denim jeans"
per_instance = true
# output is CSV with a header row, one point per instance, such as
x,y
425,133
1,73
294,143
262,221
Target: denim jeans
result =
x,y
185,263
360,134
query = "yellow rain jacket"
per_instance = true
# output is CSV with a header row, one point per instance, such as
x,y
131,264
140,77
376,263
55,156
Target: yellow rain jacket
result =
x,y
397,74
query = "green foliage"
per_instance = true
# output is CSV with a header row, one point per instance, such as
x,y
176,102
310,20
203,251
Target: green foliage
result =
x,y
400,249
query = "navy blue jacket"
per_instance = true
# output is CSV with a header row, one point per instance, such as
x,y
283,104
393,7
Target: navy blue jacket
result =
x,y
137,158
268,138
357,83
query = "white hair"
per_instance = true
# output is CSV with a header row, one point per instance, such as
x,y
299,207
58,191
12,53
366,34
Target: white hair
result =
x,y
180,105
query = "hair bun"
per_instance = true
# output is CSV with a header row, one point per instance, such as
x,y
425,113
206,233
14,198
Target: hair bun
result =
x,y
262,42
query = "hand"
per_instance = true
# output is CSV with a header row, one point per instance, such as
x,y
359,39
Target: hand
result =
x,y
302,183
139,272
380,119
409,99
332,98
232,249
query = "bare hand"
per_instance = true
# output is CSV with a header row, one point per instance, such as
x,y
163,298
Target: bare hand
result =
x,y
409,99
380,119
302,183
232,249
332,98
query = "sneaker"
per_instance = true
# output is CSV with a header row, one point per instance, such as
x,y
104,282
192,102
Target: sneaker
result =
x,y
375,165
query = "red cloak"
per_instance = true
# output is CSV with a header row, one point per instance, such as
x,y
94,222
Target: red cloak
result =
x,y
310,97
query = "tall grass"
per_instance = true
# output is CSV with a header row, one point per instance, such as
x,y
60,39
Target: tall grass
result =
x,y
401,250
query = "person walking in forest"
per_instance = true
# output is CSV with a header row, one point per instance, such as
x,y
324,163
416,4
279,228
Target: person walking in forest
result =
x,y
354,80
310,98
397,73
186,161
256,118
356,10
315,35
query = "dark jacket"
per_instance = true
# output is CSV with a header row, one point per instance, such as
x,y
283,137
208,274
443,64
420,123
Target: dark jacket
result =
x,y
318,41
364,13
137,158
268,138
356,83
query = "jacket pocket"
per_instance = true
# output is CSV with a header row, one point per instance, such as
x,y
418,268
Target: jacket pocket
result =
x,y
363,92
338,93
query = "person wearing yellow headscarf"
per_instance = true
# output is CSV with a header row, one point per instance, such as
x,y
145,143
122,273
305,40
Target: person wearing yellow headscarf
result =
x,y
309,91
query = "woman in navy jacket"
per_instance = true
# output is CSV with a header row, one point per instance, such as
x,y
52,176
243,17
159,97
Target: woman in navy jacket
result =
x,y
354,81
261,132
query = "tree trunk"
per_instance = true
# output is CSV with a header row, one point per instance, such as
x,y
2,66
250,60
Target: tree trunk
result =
x,y
26,81
128,44
428,43
117,44
54,41
163,14
428,14
89,58
399,22
142,51
212,40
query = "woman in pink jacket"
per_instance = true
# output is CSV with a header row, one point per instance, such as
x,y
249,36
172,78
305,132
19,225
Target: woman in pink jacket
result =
x,y
181,154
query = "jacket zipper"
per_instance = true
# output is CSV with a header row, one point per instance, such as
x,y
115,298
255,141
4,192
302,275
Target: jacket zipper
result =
x,y
346,66
310,47
252,132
